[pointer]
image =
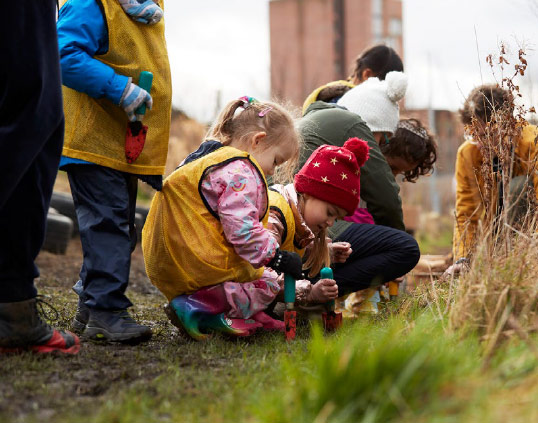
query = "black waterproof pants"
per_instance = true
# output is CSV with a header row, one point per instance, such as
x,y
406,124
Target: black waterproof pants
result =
x,y
31,138
380,254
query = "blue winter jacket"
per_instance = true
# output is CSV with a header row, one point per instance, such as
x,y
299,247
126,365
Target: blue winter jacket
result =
x,y
82,35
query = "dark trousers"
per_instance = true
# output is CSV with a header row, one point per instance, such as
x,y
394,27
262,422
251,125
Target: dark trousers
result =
x,y
380,254
105,201
31,138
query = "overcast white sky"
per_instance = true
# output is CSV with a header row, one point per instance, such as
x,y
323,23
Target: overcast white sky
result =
x,y
223,45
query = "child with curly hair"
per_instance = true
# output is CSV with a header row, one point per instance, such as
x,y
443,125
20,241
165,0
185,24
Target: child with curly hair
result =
x,y
411,151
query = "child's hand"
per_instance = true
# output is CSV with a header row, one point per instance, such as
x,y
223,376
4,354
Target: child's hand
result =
x,y
461,265
132,98
287,262
323,291
340,251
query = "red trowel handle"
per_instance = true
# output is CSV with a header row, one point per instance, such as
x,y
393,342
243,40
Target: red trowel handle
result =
x,y
290,315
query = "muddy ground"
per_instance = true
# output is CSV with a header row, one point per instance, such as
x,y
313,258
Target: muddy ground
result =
x,y
40,388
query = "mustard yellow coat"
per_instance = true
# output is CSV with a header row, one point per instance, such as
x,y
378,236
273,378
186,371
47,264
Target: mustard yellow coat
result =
x,y
469,185
95,128
183,240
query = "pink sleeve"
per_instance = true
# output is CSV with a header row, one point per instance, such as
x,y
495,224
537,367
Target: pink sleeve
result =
x,y
238,195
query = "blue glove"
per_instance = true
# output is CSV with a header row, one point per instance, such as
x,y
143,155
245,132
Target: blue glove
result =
x,y
134,96
143,11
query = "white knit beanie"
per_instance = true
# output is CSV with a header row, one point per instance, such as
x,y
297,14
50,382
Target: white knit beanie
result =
x,y
376,102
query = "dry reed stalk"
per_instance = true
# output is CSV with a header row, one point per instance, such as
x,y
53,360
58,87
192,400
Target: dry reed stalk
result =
x,y
499,292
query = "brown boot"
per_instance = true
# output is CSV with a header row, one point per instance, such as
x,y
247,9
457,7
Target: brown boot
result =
x,y
21,329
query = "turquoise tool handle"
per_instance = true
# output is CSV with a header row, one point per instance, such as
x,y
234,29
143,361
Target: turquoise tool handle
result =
x,y
289,289
327,273
144,81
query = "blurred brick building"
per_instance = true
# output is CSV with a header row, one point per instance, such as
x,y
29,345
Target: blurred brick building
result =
x,y
317,41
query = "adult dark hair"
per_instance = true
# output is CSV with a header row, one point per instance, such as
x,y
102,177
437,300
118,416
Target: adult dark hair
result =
x,y
483,101
412,142
380,59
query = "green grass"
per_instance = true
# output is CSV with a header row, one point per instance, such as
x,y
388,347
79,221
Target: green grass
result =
x,y
403,366
387,372
212,382
373,373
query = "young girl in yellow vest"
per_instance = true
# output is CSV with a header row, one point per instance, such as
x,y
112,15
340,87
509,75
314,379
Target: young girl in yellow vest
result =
x,y
325,189
204,240
104,46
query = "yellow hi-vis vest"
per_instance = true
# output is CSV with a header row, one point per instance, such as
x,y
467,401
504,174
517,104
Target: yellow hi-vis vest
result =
x,y
183,240
95,128
278,203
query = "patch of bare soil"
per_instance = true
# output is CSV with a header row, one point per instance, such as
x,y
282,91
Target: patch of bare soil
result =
x,y
41,388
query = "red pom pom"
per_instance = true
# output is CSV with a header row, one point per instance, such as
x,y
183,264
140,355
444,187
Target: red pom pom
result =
x,y
359,148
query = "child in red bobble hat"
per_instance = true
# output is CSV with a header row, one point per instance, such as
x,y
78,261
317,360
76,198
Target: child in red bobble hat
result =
x,y
325,189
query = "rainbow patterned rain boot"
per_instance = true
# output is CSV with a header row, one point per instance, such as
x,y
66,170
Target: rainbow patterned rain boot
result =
x,y
203,312
228,326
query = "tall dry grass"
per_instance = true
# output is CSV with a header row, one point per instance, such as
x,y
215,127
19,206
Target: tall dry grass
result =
x,y
498,295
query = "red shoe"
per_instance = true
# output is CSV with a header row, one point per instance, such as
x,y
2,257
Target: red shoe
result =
x,y
268,323
61,342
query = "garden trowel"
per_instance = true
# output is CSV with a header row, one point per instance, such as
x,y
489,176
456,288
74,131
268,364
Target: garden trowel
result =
x,y
136,132
331,319
290,315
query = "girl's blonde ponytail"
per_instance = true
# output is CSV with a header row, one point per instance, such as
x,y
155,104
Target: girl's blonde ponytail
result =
x,y
222,130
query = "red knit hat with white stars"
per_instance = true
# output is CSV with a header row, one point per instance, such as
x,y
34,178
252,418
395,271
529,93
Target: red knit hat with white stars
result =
x,y
332,174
